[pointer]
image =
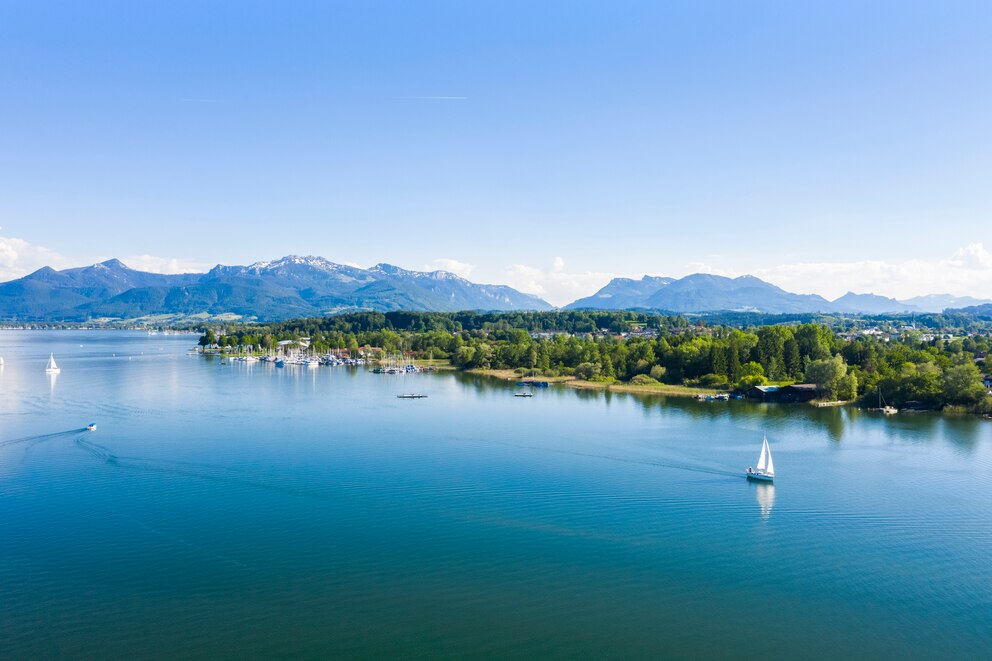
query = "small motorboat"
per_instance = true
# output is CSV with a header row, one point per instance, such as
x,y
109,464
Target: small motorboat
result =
x,y
523,394
765,471
91,426
411,396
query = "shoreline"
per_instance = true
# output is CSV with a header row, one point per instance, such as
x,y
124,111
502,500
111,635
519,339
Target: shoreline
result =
x,y
668,390
665,389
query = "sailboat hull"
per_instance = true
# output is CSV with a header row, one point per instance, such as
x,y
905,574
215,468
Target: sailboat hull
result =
x,y
760,477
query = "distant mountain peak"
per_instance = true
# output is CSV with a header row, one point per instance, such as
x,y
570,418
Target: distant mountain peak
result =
x,y
871,304
311,261
390,269
699,292
114,263
623,293
869,295
941,302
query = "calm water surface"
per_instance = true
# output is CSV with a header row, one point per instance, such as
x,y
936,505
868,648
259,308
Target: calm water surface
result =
x,y
237,511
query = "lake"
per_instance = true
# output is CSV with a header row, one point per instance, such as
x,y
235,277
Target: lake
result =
x,y
243,510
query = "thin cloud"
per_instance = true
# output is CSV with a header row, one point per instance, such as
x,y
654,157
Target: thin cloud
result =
x,y
966,272
555,284
165,265
18,258
461,269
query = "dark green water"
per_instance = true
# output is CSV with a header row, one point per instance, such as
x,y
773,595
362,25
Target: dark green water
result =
x,y
246,511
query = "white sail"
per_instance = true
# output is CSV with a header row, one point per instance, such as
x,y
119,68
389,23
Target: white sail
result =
x,y
763,459
766,453
51,362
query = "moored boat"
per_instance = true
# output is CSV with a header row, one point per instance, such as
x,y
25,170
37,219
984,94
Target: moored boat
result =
x,y
883,407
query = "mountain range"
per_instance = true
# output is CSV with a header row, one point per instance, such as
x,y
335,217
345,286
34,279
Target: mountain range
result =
x,y
289,287
703,292
297,286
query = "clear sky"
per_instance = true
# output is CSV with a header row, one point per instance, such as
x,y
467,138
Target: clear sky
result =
x,y
547,145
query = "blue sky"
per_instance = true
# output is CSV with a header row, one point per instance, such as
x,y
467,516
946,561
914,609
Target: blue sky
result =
x,y
550,146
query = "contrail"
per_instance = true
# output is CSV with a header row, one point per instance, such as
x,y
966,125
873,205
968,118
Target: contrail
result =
x,y
436,98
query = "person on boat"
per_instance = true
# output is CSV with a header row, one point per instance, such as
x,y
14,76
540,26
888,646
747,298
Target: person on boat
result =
x,y
749,469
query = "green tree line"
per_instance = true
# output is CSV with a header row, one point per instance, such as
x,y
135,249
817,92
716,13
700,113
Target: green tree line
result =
x,y
667,349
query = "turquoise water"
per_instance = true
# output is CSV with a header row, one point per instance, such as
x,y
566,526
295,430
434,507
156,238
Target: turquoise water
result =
x,y
236,511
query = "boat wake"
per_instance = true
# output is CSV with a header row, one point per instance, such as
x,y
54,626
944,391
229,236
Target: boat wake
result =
x,y
696,468
208,472
41,437
97,450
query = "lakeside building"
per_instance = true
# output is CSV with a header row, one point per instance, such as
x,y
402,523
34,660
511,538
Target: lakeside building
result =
x,y
798,392
795,393
763,393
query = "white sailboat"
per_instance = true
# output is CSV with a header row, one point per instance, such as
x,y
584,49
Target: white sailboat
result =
x,y
52,368
765,470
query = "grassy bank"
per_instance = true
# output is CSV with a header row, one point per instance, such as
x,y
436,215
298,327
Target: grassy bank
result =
x,y
511,375
572,382
436,363
651,389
